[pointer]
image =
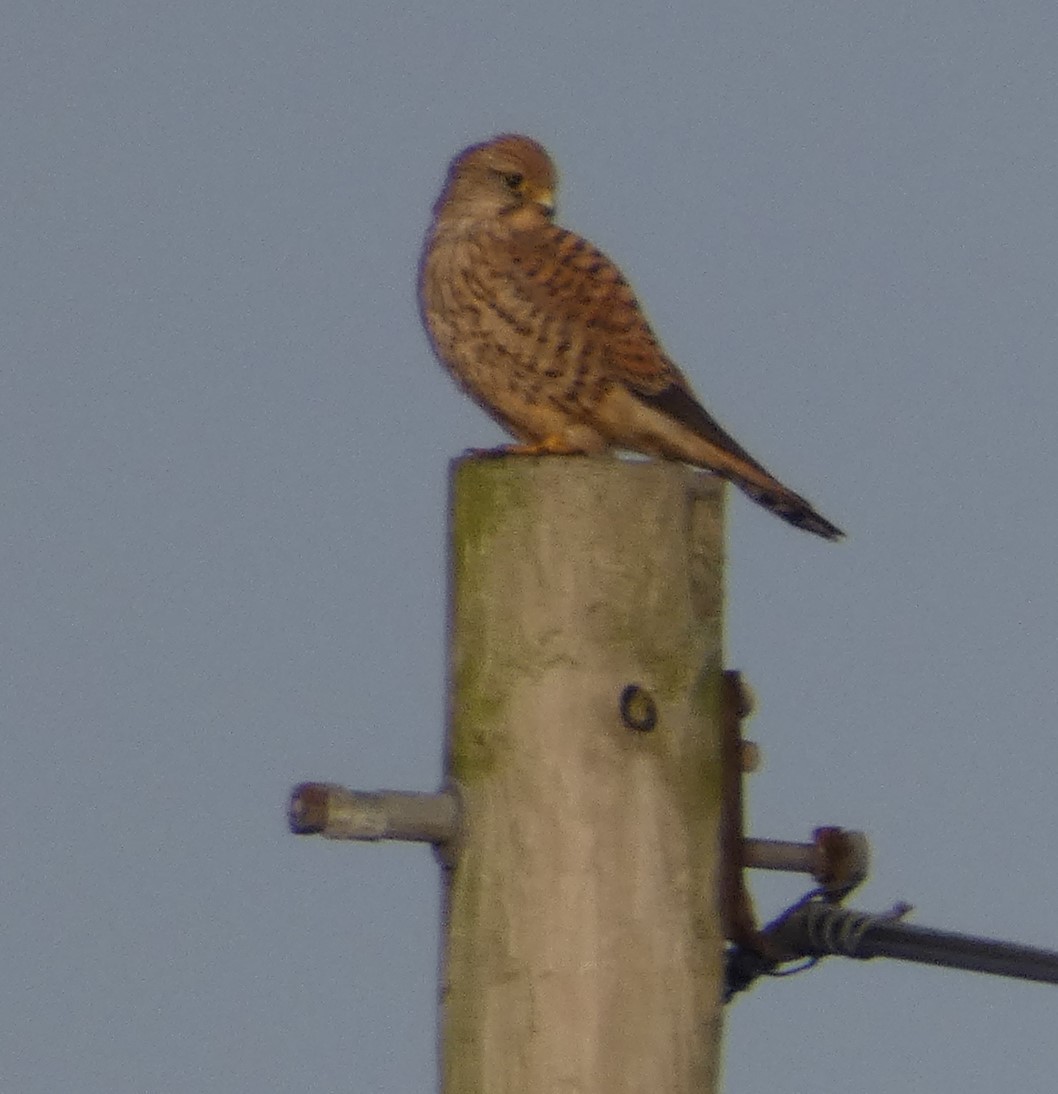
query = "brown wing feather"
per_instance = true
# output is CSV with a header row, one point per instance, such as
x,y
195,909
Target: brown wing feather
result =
x,y
569,276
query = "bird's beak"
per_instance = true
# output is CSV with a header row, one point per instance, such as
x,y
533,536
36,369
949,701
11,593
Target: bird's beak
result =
x,y
546,200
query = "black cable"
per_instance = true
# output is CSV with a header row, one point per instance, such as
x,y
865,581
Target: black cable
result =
x,y
814,928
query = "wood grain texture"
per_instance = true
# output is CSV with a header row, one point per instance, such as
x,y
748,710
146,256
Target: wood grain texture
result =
x,y
583,941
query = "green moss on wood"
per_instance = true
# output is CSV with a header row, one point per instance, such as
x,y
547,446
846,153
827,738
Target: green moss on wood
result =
x,y
488,496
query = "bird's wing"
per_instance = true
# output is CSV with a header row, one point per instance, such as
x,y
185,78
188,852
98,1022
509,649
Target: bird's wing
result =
x,y
570,278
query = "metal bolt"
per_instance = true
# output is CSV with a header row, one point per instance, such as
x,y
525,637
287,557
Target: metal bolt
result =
x,y
638,709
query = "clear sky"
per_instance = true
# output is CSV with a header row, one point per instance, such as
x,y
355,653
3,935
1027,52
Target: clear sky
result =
x,y
223,462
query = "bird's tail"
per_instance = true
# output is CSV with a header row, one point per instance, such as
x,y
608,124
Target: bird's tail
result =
x,y
672,423
783,502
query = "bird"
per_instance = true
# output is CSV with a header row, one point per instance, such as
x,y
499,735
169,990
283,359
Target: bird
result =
x,y
544,332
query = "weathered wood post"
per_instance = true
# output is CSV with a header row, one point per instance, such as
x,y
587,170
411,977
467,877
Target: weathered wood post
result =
x,y
590,824
583,944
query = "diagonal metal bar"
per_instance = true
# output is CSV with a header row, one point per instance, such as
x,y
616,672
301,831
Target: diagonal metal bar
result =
x,y
816,929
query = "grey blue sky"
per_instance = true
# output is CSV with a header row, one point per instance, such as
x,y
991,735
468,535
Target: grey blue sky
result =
x,y
223,461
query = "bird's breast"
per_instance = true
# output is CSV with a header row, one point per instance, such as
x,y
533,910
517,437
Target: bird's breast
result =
x,y
501,337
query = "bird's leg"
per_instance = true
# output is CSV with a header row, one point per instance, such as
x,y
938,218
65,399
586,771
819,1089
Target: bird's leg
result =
x,y
554,444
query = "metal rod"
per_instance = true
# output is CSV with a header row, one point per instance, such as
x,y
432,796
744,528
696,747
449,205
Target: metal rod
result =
x,y
773,854
337,813
837,857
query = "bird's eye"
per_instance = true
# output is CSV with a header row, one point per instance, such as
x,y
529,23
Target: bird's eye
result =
x,y
513,180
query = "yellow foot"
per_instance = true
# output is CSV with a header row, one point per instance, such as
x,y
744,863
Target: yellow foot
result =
x,y
549,446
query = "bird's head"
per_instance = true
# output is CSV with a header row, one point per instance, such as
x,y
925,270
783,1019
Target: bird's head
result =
x,y
509,176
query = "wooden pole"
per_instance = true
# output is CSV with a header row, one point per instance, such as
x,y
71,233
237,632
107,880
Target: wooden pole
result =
x,y
583,945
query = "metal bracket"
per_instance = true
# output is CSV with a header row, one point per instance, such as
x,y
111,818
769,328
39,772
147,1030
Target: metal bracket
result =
x,y
836,858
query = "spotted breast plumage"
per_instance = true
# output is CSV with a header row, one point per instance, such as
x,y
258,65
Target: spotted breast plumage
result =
x,y
544,332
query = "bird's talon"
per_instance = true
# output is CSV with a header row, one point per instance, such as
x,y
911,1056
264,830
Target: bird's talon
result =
x,y
487,453
550,447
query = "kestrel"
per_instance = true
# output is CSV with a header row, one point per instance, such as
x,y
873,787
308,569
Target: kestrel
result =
x,y
543,331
